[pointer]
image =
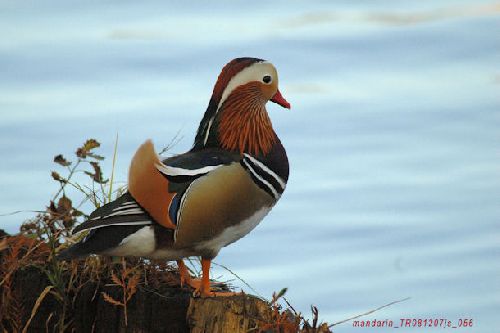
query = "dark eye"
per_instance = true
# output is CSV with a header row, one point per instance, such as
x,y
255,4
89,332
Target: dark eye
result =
x,y
267,79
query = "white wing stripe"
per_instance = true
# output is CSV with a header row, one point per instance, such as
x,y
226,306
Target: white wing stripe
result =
x,y
181,206
208,130
125,212
118,224
126,206
173,171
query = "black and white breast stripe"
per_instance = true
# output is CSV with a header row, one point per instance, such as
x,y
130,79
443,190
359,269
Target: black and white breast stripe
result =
x,y
263,176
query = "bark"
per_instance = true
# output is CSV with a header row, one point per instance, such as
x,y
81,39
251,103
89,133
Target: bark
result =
x,y
238,314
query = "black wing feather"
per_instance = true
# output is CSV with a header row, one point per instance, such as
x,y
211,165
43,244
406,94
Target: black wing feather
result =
x,y
123,211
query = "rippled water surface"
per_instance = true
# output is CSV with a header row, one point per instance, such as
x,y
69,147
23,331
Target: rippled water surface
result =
x,y
393,138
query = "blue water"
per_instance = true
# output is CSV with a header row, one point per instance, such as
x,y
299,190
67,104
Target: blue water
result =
x,y
392,138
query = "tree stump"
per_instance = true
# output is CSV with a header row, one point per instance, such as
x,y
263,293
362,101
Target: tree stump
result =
x,y
235,314
31,302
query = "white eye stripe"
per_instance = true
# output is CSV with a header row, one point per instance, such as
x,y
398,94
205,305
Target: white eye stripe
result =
x,y
254,72
248,74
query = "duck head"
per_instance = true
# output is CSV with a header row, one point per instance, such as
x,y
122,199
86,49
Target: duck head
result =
x,y
236,118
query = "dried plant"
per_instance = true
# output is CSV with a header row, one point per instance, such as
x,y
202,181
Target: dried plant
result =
x,y
128,281
285,319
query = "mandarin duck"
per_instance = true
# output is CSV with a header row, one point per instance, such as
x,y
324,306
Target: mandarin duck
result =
x,y
196,203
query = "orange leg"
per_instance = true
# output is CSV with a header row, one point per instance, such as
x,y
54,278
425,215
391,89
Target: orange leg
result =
x,y
204,288
186,277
